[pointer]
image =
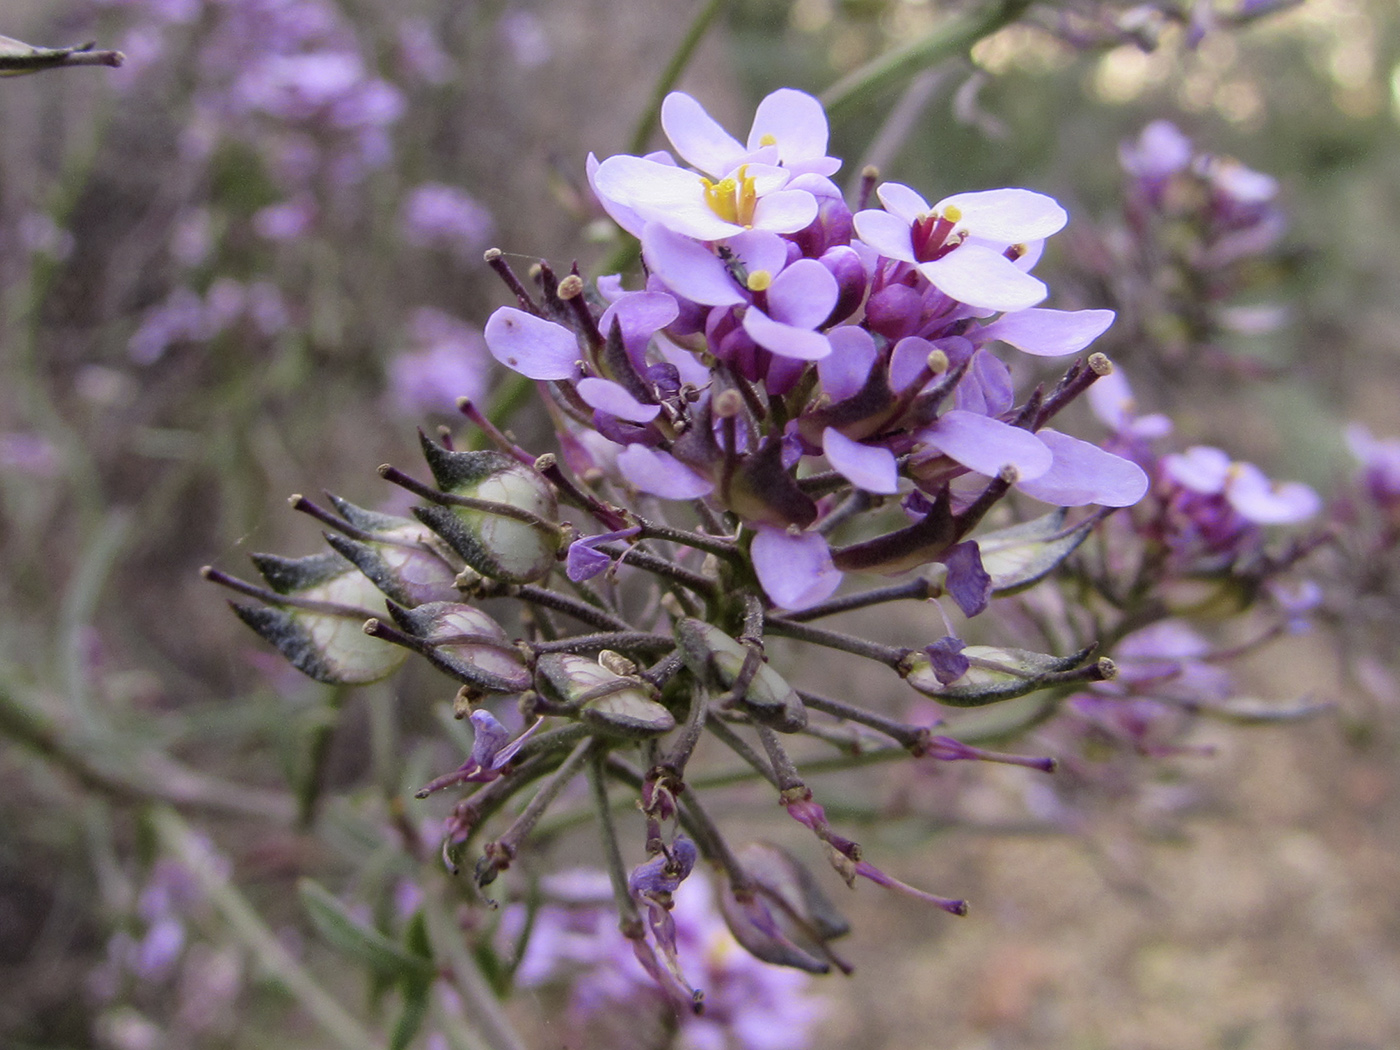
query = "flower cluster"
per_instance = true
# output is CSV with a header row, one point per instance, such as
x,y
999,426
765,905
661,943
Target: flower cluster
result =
x,y
797,391
1191,267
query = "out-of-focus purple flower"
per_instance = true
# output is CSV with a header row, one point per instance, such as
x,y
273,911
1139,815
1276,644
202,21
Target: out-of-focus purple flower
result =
x,y
1210,472
1380,464
30,454
524,35
421,52
1160,150
179,318
436,215
749,1005
288,220
39,233
448,361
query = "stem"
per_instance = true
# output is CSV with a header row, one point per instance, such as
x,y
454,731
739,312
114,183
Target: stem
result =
x,y
918,589
906,735
652,563
509,842
482,1007
619,640
629,919
954,37
783,768
846,643
684,745
740,747
651,115
149,777
717,545
175,835
579,610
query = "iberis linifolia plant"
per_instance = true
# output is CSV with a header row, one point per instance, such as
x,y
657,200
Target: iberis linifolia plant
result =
x,y
800,409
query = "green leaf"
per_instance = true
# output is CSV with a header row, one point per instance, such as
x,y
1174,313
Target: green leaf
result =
x,y
411,1017
357,940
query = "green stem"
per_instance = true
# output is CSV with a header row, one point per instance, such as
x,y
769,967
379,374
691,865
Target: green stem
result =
x,y
150,777
650,116
177,838
954,37
481,1006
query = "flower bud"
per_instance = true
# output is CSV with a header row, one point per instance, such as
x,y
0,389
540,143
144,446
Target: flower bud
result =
x,y
495,544
403,559
768,699
617,705
319,628
996,674
465,643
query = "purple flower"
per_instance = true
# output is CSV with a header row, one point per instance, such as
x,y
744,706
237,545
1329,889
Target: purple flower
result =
x,y
440,216
584,560
794,568
741,188
532,346
960,244
492,750
449,362
1210,472
1380,464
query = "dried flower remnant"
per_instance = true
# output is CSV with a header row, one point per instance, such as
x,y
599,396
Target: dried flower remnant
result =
x,y
795,399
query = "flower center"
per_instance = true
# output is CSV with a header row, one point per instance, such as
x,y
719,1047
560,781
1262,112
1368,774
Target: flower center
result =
x,y
732,198
934,235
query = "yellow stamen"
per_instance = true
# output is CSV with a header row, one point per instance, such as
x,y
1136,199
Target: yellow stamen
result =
x,y
732,199
768,140
759,281
720,197
952,213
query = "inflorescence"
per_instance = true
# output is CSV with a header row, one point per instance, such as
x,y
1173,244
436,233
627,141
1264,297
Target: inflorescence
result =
x,y
797,392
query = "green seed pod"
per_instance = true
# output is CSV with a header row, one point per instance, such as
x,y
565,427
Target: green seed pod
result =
x,y
614,704
768,699
320,628
999,674
513,549
464,642
404,559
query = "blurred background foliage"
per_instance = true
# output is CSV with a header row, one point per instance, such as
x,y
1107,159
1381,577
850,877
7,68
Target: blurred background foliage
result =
x,y
207,303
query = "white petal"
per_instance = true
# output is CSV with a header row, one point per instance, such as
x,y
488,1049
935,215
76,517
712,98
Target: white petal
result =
x,y
1050,333
661,474
612,398
697,136
986,445
869,467
688,267
982,277
1009,215
887,234
785,211
902,202
785,340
